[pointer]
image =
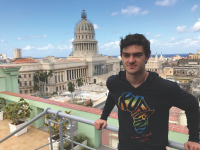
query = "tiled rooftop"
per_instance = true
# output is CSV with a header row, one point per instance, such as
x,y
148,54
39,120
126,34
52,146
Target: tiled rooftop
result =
x,y
7,66
24,60
174,114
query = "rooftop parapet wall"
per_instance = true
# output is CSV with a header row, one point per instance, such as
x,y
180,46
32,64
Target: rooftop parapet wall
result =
x,y
9,78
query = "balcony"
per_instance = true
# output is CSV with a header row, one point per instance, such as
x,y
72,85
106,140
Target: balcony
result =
x,y
84,116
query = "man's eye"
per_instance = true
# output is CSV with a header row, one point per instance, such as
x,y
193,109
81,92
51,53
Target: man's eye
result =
x,y
126,55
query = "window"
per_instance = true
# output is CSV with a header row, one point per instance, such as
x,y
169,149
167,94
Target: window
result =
x,y
20,84
170,71
58,78
20,91
82,36
30,90
25,83
29,75
24,76
62,78
30,83
86,36
26,91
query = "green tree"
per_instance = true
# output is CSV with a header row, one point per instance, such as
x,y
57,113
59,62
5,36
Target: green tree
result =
x,y
37,75
50,74
45,76
36,88
79,82
71,89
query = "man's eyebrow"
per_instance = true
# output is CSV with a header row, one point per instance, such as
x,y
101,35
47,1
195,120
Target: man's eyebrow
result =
x,y
132,53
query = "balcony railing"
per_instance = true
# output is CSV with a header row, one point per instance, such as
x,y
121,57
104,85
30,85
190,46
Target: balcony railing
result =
x,y
65,117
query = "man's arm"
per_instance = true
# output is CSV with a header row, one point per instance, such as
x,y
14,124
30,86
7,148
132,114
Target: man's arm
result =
x,y
187,102
110,103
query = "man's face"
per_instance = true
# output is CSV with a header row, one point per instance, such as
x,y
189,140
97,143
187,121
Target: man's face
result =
x,y
134,59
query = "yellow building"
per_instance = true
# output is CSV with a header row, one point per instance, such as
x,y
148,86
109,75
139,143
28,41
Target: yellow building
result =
x,y
167,71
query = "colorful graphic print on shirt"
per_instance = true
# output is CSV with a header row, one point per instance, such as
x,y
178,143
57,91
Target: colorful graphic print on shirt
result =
x,y
140,112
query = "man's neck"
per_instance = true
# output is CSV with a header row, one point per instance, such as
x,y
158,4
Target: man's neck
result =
x,y
137,79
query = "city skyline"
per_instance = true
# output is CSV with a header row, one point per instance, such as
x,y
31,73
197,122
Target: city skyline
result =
x,y
44,28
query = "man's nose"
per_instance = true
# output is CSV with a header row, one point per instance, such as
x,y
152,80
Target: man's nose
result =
x,y
131,59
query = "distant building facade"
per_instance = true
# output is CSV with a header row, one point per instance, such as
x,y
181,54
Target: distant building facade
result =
x,y
17,53
154,63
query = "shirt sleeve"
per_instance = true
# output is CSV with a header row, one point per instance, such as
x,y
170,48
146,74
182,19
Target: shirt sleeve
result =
x,y
110,103
187,102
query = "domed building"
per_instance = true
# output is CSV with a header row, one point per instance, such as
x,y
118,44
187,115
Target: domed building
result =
x,y
84,62
84,43
85,48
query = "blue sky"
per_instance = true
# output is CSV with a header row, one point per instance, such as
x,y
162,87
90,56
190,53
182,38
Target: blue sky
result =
x,y
46,27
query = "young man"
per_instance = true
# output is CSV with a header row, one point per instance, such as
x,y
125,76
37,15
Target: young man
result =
x,y
144,99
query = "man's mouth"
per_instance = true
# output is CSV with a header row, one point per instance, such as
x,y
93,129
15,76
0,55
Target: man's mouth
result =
x,y
132,66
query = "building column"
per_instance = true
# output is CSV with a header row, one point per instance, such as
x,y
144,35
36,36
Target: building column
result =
x,y
57,76
65,75
71,75
74,73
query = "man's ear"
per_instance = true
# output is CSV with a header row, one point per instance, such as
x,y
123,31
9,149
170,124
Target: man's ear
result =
x,y
147,58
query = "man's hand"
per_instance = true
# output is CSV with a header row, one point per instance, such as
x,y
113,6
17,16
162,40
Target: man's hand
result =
x,y
98,123
192,145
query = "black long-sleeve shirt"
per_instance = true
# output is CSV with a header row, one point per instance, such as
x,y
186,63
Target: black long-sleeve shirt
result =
x,y
143,112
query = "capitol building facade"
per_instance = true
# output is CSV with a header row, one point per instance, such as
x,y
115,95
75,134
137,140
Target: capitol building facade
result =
x,y
84,62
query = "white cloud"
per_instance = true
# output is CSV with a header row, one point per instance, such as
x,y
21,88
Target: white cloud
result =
x,y
157,36
114,13
181,29
185,42
148,33
48,47
194,7
166,2
110,45
28,47
2,40
133,10
96,26
71,40
44,36
196,26
145,12
32,36
62,47
172,39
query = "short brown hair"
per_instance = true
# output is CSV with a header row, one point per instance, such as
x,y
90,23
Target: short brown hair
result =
x,y
136,39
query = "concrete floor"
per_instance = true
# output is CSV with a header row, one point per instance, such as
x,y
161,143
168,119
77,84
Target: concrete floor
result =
x,y
31,140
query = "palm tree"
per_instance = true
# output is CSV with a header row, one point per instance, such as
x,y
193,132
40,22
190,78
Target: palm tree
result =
x,y
71,89
35,81
79,82
45,75
37,75
42,79
50,74
36,88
